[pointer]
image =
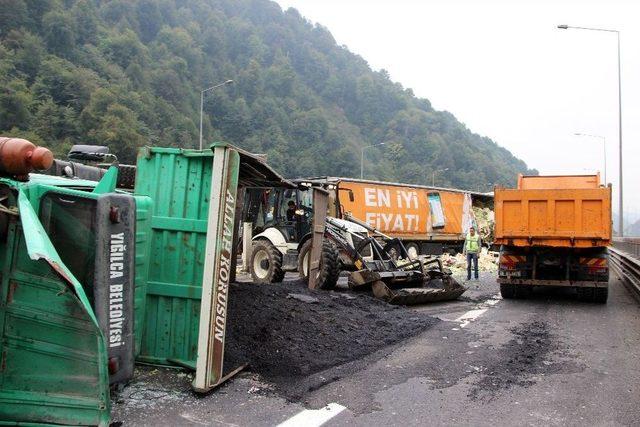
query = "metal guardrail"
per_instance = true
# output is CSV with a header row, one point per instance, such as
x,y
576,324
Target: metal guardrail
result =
x,y
624,260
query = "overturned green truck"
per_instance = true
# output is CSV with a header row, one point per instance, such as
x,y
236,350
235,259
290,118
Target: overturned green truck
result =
x,y
82,293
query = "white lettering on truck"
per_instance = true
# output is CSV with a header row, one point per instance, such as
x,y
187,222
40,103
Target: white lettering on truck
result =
x,y
397,221
224,268
116,309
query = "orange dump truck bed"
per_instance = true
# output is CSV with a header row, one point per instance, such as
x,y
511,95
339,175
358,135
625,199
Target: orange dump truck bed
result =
x,y
557,211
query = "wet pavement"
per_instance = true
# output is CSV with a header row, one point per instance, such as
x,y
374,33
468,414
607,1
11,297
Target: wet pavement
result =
x,y
548,360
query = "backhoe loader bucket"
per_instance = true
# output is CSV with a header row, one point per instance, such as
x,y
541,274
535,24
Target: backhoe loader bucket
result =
x,y
406,287
433,290
405,280
364,279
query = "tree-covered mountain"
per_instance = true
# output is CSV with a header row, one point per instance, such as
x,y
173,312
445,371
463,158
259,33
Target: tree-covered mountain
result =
x,y
128,73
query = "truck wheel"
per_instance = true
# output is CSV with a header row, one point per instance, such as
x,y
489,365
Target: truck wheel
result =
x,y
523,291
266,263
507,290
601,295
586,294
329,270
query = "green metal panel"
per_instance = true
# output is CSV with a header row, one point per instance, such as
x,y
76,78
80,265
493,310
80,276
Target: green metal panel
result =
x,y
144,207
54,357
179,183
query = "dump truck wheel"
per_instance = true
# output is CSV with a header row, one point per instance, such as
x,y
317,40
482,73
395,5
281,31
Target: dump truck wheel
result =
x,y
601,295
523,291
507,290
266,263
586,294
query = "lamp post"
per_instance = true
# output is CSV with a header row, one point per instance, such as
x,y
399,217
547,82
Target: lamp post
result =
x,y
202,92
566,27
604,150
433,175
362,158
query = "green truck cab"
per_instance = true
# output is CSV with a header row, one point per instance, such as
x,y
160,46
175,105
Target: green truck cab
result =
x,y
67,266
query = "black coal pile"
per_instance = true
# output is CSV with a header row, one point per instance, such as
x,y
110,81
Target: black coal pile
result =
x,y
286,332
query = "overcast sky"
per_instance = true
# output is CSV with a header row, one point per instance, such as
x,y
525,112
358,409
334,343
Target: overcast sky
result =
x,y
507,72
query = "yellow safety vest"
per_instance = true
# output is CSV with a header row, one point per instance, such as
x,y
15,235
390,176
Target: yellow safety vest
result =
x,y
472,243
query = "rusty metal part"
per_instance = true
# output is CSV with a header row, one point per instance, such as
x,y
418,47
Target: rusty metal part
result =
x,y
19,156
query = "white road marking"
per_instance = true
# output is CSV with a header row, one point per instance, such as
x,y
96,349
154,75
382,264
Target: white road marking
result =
x,y
313,417
472,315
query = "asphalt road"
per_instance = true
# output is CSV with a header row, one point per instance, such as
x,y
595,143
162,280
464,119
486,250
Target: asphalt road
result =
x,y
549,360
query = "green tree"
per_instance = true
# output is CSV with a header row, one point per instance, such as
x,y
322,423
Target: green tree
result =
x,y
59,29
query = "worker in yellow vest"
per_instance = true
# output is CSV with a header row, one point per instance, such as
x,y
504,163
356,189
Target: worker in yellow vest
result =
x,y
472,245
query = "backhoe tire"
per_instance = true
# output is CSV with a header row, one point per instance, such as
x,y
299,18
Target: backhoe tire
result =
x,y
329,270
303,259
507,290
266,263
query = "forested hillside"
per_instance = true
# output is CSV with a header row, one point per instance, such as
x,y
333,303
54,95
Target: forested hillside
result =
x,y
127,73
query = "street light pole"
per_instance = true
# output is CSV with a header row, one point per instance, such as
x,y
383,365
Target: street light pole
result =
x,y
202,92
604,150
621,214
433,175
362,158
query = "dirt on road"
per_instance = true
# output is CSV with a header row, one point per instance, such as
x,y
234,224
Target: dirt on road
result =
x,y
286,332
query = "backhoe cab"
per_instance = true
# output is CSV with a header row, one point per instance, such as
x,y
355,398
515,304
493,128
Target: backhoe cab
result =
x,y
282,221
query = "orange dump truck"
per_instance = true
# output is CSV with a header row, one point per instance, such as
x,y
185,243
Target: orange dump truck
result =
x,y
554,231
429,220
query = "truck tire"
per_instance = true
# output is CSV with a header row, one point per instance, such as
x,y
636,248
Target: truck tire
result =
x,y
601,295
523,291
266,263
507,290
329,270
586,294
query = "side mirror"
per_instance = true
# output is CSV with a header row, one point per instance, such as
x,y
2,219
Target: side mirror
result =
x,y
351,198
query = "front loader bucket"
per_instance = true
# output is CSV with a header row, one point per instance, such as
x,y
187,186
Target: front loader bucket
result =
x,y
444,289
364,279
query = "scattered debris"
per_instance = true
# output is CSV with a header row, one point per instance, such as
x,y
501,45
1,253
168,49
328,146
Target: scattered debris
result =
x,y
487,261
522,359
486,221
304,298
